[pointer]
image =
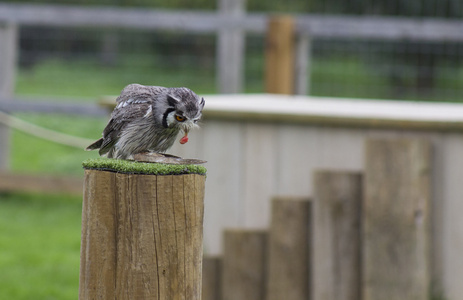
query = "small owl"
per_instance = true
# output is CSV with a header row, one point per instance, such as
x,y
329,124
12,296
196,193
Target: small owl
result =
x,y
148,118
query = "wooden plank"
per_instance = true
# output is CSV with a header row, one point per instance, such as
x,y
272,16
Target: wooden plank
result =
x,y
11,182
244,264
396,220
230,48
279,56
77,107
332,26
212,278
381,28
336,112
302,64
289,249
8,50
336,232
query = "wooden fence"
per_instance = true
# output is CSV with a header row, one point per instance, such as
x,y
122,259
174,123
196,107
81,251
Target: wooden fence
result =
x,y
362,236
230,23
258,146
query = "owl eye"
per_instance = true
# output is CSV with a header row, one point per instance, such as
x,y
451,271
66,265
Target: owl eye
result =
x,y
179,118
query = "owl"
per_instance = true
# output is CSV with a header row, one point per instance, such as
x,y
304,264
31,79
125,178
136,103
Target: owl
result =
x,y
148,119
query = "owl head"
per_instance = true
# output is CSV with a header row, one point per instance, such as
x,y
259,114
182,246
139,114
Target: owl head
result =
x,y
183,109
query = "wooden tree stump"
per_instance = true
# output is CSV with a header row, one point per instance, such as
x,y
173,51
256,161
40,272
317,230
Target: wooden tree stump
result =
x,y
141,236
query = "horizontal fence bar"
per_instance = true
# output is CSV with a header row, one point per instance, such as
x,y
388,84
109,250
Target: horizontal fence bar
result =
x,y
384,28
79,16
318,26
43,106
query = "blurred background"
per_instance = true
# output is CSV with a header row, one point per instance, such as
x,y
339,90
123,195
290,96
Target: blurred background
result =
x,y
74,64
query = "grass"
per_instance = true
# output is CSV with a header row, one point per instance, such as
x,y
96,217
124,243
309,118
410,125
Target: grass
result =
x,y
131,167
40,246
87,79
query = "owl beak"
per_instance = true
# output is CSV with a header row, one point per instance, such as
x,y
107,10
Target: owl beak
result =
x,y
184,139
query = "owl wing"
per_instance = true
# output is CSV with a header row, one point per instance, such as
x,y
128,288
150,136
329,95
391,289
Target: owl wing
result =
x,y
126,112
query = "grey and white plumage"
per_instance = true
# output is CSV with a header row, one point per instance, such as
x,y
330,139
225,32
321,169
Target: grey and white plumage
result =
x,y
148,118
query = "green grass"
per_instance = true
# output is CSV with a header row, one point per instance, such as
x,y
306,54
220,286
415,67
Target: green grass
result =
x,y
88,79
39,246
132,167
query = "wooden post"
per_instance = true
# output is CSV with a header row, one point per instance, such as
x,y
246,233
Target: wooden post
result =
x,y
141,236
336,232
289,250
8,49
212,278
396,223
279,56
230,48
244,264
302,65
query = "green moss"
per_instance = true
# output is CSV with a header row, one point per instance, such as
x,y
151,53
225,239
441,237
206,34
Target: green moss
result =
x,y
132,167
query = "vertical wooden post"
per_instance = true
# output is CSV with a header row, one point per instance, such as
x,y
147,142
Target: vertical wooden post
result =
x,y
302,65
289,250
141,236
396,224
336,232
212,278
230,48
8,49
244,264
279,56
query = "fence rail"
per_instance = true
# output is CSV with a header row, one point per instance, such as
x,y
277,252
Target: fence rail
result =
x,y
333,26
14,104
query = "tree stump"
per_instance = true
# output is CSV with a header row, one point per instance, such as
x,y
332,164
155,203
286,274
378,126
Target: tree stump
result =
x,y
141,235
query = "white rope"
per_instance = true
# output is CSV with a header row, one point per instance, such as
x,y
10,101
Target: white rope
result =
x,y
46,134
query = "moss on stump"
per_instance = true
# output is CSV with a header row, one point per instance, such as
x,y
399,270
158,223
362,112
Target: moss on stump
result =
x,y
133,167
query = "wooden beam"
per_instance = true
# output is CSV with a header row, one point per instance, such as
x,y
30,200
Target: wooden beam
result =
x,y
279,56
289,249
244,264
396,220
302,65
10,182
230,48
337,232
8,50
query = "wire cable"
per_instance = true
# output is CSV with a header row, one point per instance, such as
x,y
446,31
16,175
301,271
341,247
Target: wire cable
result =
x,y
43,133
